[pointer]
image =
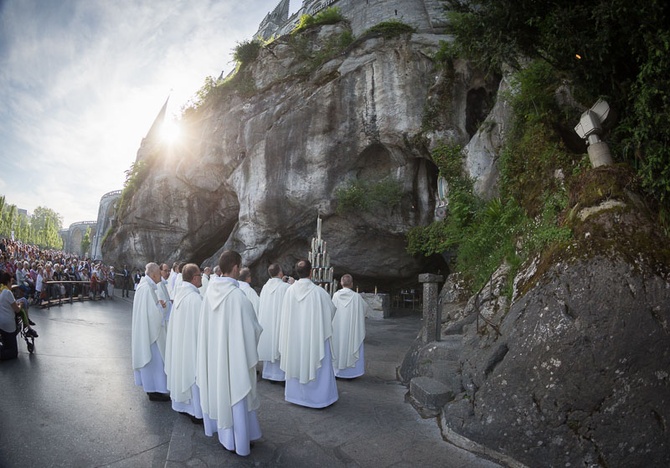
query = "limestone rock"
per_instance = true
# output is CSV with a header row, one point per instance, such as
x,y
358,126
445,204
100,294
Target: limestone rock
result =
x,y
482,151
576,371
260,162
453,302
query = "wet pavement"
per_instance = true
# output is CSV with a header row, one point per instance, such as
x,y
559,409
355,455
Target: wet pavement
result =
x,y
73,403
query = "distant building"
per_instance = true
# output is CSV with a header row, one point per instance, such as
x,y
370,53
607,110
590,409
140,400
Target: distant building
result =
x,y
423,15
74,235
106,216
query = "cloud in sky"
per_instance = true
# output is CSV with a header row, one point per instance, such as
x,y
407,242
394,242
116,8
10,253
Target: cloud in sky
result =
x,y
81,82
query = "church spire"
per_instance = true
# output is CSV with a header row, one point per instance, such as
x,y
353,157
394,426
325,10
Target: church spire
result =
x,y
158,121
153,135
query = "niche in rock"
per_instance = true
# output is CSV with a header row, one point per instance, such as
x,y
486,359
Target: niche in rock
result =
x,y
477,107
374,163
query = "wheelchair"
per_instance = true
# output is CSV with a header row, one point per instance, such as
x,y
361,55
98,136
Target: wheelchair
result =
x,y
25,334
22,321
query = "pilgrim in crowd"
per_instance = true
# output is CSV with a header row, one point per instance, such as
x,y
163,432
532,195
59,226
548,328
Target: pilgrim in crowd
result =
x,y
227,357
348,331
245,285
269,314
127,281
96,283
149,335
111,282
304,342
182,339
137,277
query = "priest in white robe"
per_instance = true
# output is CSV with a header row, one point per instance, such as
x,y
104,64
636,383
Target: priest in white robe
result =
x,y
304,342
227,356
269,312
178,280
162,292
348,331
171,279
245,285
148,337
181,347
206,273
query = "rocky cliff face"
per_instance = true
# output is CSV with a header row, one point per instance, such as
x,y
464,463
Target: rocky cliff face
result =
x,y
260,164
573,370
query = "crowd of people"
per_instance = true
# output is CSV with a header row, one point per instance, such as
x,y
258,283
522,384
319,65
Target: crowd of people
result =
x,y
35,276
45,274
198,336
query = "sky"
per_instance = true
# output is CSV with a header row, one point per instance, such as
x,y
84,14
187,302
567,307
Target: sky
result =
x,y
81,82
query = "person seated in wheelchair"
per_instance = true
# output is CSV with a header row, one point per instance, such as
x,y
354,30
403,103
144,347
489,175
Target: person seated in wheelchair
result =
x,y
23,303
9,310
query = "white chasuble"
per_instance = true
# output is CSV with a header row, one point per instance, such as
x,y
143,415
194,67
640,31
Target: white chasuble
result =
x,y
227,351
306,324
148,325
182,339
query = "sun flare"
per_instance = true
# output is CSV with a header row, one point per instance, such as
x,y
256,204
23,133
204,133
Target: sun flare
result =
x,y
170,131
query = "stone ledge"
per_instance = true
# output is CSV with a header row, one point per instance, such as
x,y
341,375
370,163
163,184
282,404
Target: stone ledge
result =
x,y
430,393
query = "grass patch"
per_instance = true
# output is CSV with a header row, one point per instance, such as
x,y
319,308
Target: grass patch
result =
x,y
137,173
363,196
389,29
331,15
247,52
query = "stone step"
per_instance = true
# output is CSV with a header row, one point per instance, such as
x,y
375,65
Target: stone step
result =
x,y
430,393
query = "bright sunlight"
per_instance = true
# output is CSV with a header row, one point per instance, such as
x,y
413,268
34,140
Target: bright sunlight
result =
x,y
170,131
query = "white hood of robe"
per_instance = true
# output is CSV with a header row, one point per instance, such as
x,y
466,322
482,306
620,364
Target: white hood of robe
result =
x,y
348,327
227,351
148,325
307,313
182,339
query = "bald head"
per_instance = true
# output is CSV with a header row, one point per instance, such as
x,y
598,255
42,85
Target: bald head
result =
x,y
245,275
153,271
303,268
275,271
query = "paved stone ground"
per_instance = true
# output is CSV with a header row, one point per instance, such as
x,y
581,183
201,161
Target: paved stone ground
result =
x,y
73,404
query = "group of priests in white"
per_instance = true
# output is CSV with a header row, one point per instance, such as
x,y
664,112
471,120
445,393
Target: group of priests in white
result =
x,y
204,357
309,339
